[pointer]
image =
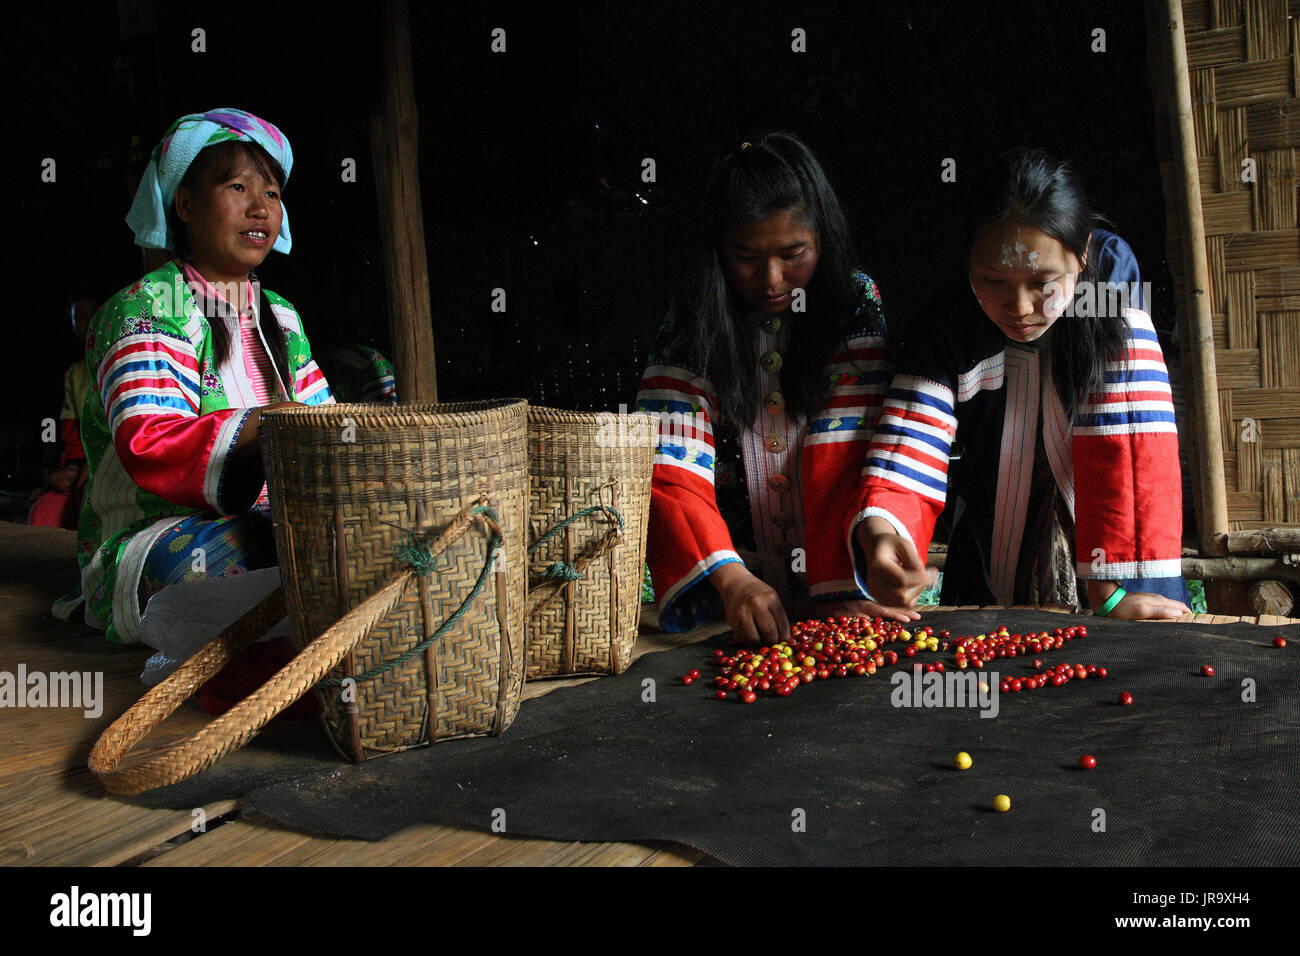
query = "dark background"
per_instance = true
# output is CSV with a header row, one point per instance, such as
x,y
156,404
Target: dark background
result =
x,y
531,159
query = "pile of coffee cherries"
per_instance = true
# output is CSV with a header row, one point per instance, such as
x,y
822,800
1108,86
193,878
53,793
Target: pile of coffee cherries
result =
x,y
817,650
977,651
1055,676
858,646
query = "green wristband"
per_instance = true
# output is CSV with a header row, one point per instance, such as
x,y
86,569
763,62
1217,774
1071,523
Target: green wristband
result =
x,y
1116,596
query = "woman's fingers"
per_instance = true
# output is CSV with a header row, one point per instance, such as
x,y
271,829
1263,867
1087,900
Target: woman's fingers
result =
x,y
770,621
910,560
902,614
782,623
893,586
754,611
765,624
864,609
890,612
742,625
887,580
1176,609
896,574
884,588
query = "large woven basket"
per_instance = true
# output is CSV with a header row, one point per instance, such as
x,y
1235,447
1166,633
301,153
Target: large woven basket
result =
x,y
349,484
400,537
589,511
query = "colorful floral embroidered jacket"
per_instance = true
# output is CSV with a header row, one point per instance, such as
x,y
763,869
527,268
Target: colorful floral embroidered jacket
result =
x,y
159,423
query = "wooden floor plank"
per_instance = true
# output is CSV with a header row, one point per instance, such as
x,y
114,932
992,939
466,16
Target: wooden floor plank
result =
x,y
427,844
617,854
138,842
514,851
103,833
674,856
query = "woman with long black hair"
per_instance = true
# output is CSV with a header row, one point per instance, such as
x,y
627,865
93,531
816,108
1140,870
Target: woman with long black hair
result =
x,y
1038,410
767,378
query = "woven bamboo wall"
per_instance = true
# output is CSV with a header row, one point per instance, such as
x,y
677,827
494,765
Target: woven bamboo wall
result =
x,y
1244,67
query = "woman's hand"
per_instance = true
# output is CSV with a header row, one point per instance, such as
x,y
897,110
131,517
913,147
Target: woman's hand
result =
x,y
753,608
247,441
1136,605
864,609
895,575
1141,606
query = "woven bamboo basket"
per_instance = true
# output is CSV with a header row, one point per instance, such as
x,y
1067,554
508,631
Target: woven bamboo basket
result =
x,y
349,484
589,512
399,535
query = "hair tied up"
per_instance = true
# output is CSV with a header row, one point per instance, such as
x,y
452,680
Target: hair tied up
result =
x,y
745,145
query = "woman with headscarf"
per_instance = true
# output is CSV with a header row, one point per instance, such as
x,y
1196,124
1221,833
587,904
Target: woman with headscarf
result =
x,y
182,363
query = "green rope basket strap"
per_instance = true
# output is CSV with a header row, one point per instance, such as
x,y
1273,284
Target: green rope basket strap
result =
x,y
570,520
564,570
414,553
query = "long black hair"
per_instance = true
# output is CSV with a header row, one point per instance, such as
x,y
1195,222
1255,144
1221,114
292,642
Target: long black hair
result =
x,y
1031,187
777,173
217,163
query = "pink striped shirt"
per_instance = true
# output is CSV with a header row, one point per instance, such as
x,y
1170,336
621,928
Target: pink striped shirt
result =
x,y
257,364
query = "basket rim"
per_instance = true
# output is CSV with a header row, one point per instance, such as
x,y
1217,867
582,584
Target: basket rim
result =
x,y
421,413
542,414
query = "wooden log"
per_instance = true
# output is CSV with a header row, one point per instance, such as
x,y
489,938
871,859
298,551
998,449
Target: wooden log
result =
x,y
1213,519
1271,597
1238,569
1264,541
394,129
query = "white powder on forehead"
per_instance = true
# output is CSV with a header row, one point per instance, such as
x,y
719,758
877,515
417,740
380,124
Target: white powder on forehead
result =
x,y
1019,256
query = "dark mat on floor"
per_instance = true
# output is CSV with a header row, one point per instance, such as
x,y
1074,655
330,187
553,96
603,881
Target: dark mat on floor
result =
x,y
1190,774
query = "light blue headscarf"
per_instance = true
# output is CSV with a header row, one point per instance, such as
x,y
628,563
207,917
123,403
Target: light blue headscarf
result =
x,y
173,156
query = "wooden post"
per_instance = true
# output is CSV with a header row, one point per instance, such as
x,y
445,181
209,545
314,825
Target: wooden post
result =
x,y
394,127
1213,520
